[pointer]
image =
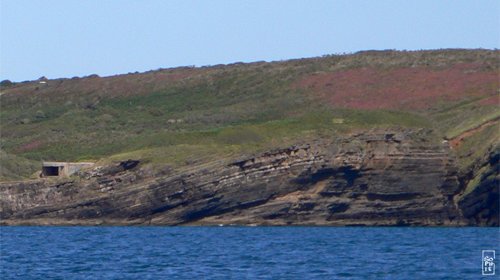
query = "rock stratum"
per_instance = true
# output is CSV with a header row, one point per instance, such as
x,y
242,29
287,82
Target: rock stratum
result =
x,y
378,177
368,138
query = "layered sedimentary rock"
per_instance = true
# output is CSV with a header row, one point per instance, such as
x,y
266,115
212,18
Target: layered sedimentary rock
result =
x,y
481,205
371,178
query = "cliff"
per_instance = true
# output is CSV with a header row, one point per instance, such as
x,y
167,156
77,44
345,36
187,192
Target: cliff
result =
x,y
369,138
384,177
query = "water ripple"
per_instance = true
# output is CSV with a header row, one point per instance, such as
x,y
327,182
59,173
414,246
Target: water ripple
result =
x,y
243,253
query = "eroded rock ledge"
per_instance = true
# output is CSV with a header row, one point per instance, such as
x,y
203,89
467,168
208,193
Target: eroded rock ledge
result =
x,y
371,178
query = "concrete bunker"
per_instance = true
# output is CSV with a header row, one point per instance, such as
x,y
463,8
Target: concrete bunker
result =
x,y
62,169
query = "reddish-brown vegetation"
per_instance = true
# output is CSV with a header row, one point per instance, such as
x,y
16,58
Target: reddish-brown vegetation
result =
x,y
492,100
401,88
30,146
113,86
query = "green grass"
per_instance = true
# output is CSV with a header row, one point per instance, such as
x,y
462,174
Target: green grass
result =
x,y
476,147
247,136
455,120
474,183
13,167
182,148
219,112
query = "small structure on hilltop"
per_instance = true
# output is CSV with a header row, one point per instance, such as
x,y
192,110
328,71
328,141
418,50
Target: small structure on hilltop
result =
x,y
62,169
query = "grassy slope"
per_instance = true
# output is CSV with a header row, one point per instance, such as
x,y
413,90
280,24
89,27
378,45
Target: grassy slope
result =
x,y
185,115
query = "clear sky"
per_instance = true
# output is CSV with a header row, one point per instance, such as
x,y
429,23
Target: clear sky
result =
x,y
75,38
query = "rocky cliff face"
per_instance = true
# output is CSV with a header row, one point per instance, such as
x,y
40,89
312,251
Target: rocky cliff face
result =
x,y
371,178
481,205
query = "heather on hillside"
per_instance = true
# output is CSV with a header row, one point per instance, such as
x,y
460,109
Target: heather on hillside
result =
x,y
174,117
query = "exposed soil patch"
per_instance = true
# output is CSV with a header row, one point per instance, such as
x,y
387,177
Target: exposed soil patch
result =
x,y
402,88
30,146
457,141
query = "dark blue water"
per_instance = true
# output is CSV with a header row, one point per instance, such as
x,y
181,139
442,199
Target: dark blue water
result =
x,y
244,252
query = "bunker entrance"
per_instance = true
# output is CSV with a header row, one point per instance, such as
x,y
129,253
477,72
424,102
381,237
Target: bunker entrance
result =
x,y
62,169
50,171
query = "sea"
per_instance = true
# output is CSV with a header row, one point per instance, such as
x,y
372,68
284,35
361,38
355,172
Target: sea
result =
x,y
247,252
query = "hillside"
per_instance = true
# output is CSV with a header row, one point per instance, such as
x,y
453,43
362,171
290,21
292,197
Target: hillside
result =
x,y
173,120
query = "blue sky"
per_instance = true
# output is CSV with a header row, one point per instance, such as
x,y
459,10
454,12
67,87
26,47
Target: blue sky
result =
x,y
106,37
